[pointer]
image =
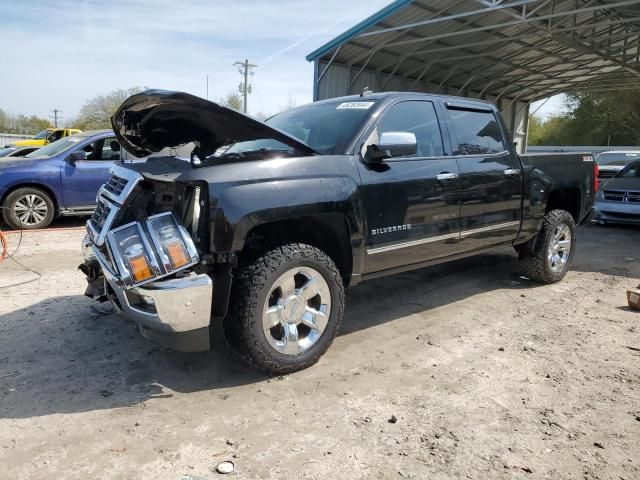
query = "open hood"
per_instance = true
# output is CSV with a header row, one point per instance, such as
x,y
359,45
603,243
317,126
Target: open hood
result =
x,y
147,122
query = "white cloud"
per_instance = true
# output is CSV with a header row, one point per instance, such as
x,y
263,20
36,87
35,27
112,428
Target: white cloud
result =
x,y
59,53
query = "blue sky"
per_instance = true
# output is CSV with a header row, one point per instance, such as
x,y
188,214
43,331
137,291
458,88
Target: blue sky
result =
x,y
59,53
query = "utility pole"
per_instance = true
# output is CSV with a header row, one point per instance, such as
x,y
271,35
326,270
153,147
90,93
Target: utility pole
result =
x,y
55,116
245,68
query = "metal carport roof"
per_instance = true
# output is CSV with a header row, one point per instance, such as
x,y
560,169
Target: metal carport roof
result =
x,y
518,49
510,52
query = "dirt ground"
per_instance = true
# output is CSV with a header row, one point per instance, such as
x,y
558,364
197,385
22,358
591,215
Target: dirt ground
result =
x,y
488,376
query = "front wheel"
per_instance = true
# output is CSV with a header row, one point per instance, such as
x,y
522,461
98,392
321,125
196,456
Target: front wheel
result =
x,y
553,250
28,208
286,308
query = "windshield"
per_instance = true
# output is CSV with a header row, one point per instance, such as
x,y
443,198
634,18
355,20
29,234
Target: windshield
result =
x,y
616,158
327,128
42,134
630,171
55,147
6,151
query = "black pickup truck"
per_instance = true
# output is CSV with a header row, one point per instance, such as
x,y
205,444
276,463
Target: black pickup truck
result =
x,y
264,226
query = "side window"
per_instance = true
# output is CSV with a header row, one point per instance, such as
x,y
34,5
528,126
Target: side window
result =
x,y
103,149
56,135
419,118
110,149
476,133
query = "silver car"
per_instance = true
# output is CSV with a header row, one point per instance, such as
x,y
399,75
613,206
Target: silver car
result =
x,y
618,201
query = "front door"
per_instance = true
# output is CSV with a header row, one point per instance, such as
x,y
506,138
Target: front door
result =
x,y
490,178
411,203
82,179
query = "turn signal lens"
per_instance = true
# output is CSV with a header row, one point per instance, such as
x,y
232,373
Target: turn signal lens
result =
x,y
177,253
173,243
138,264
132,254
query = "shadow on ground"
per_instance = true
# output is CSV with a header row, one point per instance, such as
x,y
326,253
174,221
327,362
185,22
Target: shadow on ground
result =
x,y
67,354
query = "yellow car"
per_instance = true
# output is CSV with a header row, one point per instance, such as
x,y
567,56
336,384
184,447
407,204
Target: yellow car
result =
x,y
49,135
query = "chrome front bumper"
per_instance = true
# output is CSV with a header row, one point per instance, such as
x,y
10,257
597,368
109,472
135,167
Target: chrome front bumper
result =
x,y
174,312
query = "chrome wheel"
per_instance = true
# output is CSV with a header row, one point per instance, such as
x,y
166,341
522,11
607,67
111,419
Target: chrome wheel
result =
x,y
31,209
559,248
296,310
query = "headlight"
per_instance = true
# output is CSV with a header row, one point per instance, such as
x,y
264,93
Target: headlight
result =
x,y
132,254
173,243
143,255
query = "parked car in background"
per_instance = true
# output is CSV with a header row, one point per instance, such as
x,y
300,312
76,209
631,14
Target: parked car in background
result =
x,y
11,152
46,136
61,178
619,201
610,163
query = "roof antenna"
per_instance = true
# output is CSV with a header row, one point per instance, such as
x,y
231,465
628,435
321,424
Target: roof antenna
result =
x,y
365,91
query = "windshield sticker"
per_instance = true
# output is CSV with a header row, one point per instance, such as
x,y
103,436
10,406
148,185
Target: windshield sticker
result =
x,y
355,106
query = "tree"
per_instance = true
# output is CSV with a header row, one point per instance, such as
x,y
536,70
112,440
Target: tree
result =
x,y
592,118
22,124
231,100
96,112
552,131
291,104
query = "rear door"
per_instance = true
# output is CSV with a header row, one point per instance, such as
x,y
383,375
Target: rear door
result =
x,y
411,204
82,179
490,176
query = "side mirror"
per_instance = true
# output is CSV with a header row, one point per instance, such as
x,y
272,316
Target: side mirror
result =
x,y
75,156
392,144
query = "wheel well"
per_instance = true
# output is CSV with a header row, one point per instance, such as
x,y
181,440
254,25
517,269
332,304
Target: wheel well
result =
x,y
328,232
32,185
568,199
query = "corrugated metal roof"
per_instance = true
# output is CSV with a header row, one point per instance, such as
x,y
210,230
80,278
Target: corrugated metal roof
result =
x,y
527,49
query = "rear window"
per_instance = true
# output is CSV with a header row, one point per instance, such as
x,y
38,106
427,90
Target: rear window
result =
x,y
475,133
616,158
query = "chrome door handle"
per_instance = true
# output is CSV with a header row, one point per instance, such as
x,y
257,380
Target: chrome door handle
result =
x,y
446,176
512,172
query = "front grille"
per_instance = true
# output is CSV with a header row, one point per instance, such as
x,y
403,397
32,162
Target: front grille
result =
x,y
100,214
621,196
111,197
116,185
606,174
613,195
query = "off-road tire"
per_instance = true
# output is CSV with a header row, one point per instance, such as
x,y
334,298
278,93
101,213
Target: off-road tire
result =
x,y
535,265
10,217
252,283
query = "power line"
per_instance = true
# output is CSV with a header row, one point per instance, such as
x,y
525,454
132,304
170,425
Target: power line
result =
x,y
245,68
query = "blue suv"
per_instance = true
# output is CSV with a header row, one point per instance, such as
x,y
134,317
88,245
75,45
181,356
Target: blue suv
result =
x,y
61,178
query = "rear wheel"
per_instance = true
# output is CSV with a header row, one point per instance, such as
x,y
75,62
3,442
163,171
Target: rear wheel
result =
x,y
553,250
28,208
286,308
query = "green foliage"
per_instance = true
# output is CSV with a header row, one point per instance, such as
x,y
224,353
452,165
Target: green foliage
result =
x,y
592,118
96,112
21,124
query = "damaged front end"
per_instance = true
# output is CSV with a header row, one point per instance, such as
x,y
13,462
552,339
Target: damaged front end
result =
x,y
140,254
150,226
